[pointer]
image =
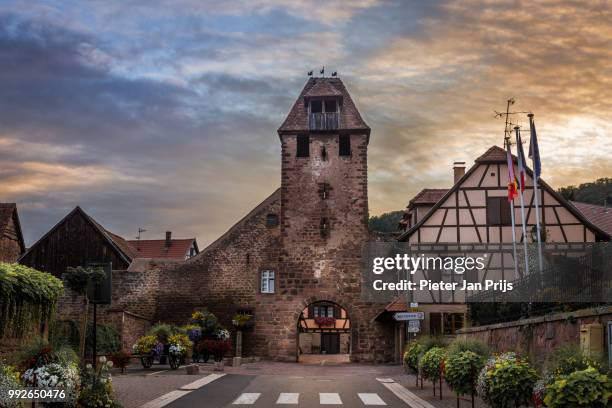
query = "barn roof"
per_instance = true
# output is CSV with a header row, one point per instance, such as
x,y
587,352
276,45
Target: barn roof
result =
x,y
119,245
297,119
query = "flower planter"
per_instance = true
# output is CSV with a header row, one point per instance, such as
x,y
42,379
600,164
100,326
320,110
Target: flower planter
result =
x,y
146,361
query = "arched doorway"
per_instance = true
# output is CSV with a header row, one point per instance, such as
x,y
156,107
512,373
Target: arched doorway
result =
x,y
324,333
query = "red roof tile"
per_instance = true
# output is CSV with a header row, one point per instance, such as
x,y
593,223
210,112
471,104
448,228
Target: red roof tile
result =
x,y
598,215
398,305
156,248
495,154
428,196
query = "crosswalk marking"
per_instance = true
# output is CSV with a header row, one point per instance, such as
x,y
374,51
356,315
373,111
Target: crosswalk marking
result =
x,y
371,399
247,398
288,398
329,398
201,382
412,400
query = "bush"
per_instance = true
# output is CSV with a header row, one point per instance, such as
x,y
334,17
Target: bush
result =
x,y
506,381
412,354
27,297
145,345
432,363
585,388
461,369
430,342
97,386
107,339
163,331
9,380
474,346
565,360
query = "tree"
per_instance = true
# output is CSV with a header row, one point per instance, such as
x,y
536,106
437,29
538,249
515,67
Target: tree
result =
x,y
598,192
78,280
387,222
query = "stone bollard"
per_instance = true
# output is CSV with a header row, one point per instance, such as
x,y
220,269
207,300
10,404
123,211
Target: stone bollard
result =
x,y
193,369
236,361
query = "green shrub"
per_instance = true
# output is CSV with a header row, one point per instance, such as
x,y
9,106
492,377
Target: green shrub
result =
x,y
506,381
430,342
145,345
65,333
163,331
431,363
107,339
27,297
461,369
474,346
585,388
567,359
412,354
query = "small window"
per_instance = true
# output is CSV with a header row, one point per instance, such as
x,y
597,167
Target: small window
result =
x,y
324,191
316,106
303,146
345,145
267,281
498,211
271,220
452,323
324,227
435,324
323,153
330,106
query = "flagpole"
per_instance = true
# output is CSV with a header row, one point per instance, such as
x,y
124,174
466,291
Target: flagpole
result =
x,y
536,198
519,157
516,272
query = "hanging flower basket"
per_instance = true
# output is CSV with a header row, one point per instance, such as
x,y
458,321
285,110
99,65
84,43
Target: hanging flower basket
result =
x,y
325,321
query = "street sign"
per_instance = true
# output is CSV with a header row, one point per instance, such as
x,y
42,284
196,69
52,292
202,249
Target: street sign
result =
x,y
414,326
402,316
414,305
413,329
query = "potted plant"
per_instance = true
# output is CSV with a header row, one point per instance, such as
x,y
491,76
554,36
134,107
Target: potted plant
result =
x,y
121,359
147,347
506,381
179,344
243,321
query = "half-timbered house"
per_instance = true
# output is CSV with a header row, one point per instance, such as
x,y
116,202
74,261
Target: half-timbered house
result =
x,y
476,210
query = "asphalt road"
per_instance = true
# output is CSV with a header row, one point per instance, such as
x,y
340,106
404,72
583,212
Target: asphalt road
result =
x,y
259,391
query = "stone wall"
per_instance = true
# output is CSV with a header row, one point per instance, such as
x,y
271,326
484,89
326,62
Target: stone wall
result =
x,y
10,250
538,336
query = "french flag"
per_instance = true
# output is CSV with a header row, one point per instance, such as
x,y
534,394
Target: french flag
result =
x,y
521,163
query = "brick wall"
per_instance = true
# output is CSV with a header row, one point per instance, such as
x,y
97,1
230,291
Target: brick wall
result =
x,y
538,336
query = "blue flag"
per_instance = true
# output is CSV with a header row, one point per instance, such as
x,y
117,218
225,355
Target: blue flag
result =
x,y
534,151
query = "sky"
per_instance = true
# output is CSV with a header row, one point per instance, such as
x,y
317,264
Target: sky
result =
x,y
163,114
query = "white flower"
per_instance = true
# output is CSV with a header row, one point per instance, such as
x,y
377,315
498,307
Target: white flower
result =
x,y
103,359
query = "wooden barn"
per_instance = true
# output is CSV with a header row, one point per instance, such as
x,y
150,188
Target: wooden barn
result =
x,y
77,240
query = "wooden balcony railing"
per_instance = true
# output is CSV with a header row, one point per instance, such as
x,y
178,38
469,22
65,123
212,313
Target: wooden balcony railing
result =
x,y
324,121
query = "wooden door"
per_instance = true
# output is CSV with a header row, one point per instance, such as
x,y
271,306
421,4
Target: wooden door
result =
x,y
330,343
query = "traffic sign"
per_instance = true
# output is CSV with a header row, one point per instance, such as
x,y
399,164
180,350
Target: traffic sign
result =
x,y
402,316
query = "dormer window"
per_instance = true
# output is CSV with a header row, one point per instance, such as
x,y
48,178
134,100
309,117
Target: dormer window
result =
x,y
324,114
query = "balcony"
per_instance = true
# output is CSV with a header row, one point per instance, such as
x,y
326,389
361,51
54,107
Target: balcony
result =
x,y
324,121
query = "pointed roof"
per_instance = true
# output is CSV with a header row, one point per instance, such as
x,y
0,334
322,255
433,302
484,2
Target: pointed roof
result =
x,y
8,211
117,243
494,155
297,119
428,196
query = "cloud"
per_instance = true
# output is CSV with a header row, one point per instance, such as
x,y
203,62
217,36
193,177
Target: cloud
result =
x,y
164,116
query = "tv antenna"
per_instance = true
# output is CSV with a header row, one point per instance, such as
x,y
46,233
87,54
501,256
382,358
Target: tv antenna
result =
x,y
140,231
509,124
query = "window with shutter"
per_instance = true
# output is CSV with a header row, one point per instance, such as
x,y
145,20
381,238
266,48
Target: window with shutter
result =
x,y
498,211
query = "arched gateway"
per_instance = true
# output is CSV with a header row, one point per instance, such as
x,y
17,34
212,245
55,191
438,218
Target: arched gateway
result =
x,y
324,328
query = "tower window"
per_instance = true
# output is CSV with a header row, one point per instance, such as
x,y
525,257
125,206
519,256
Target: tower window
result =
x,y
330,106
324,227
323,153
303,146
324,190
345,145
316,106
267,281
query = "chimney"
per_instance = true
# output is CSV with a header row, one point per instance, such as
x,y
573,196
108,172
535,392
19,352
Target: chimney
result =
x,y
168,238
459,170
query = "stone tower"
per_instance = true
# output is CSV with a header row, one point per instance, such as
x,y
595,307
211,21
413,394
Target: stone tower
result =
x,y
324,206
